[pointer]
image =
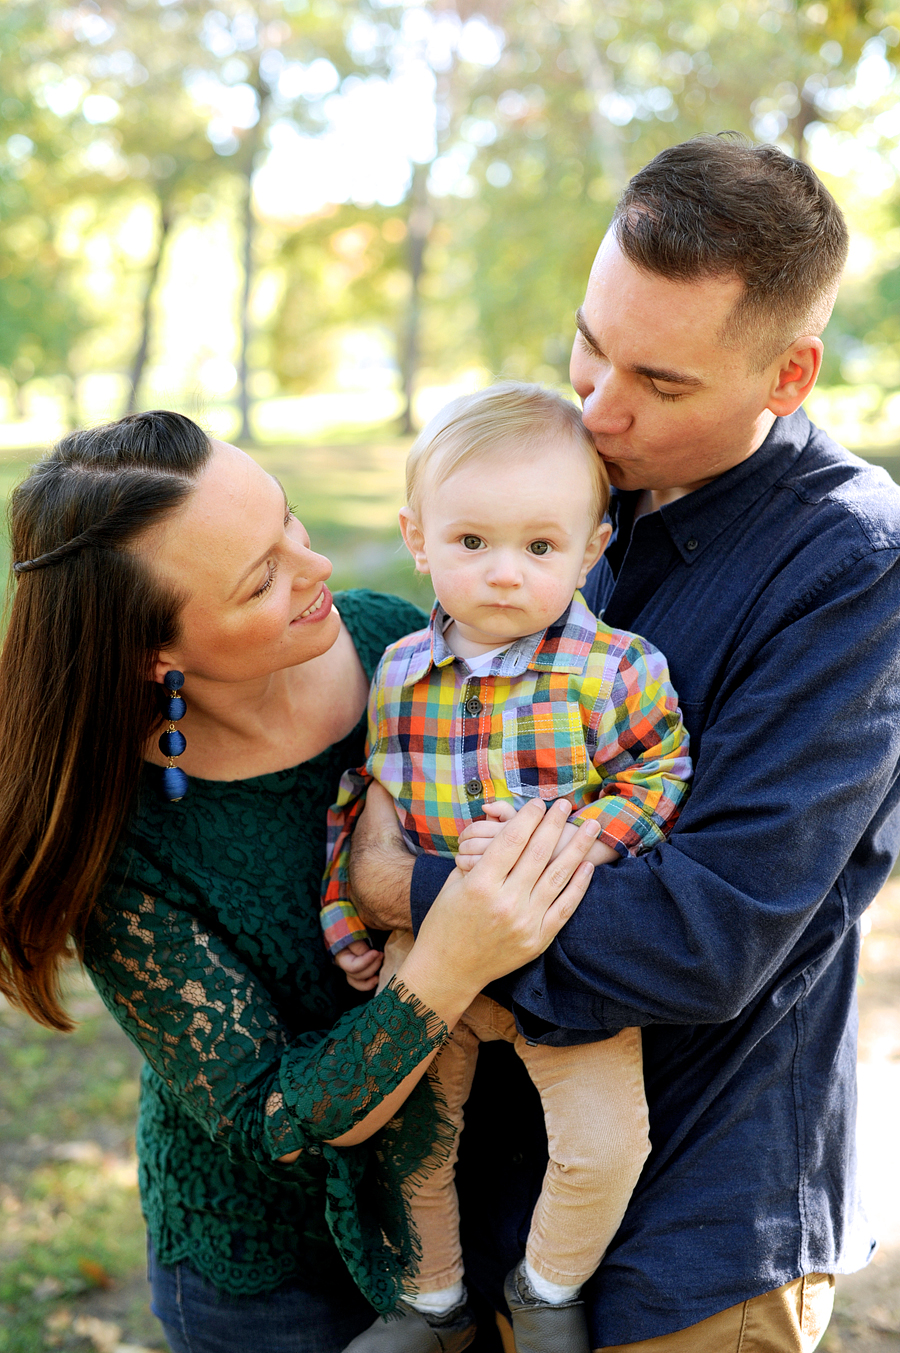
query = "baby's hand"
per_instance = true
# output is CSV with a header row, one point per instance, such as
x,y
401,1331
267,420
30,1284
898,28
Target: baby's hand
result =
x,y
361,965
599,853
475,839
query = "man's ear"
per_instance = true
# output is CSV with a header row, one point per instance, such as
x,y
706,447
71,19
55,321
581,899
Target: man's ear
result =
x,y
414,539
595,547
794,375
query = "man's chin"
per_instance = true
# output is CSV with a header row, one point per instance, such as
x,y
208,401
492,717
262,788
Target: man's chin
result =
x,y
621,476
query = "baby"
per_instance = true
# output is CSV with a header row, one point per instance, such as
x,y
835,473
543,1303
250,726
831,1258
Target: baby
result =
x,y
515,690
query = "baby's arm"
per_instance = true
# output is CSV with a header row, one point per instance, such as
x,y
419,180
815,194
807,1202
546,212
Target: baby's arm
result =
x,y
345,935
475,839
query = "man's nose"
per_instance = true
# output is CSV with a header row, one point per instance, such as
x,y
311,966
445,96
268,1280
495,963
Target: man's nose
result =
x,y
604,409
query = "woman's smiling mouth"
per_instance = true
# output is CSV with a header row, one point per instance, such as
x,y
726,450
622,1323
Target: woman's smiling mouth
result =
x,y
319,609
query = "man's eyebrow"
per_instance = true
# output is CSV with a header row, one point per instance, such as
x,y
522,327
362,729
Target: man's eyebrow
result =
x,y
653,373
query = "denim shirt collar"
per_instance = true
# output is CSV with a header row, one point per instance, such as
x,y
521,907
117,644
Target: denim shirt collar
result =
x,y
696,520
563,647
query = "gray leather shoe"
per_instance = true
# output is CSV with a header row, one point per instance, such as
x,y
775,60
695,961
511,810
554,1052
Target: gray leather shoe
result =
x,y
411,1331
539,1327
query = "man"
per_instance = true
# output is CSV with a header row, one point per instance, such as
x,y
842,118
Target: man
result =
x,y
762,558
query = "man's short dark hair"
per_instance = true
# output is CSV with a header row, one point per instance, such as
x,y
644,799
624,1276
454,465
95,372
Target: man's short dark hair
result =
x,y
719,206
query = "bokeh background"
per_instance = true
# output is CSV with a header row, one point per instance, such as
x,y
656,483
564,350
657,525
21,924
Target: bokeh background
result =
x,y
307,223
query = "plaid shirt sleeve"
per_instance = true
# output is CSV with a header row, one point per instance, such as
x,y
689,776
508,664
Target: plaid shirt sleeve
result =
x,y
340,923
641,755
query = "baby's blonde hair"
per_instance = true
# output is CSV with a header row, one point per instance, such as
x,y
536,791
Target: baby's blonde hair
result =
x,y
510,416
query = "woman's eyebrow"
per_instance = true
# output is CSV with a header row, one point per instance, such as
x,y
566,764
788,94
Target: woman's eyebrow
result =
x,y
264,556
283,490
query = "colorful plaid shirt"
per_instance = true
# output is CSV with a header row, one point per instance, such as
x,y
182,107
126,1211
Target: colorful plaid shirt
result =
x,y
579,710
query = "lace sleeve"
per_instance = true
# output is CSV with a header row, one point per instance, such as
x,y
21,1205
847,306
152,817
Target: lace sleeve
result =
x,y
210,1031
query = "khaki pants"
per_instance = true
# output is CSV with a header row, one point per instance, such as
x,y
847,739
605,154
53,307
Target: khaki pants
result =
x,y
597,1130
791,1319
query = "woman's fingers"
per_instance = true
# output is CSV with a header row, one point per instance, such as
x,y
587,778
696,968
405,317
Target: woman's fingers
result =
x,y
528,839
548,876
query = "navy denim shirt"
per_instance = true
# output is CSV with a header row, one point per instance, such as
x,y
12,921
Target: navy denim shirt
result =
x,y
774,592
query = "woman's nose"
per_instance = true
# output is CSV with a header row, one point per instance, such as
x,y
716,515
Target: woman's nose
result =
x,y
311,567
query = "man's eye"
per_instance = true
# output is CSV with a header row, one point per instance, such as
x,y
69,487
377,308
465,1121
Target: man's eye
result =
x,y
472,542
540,547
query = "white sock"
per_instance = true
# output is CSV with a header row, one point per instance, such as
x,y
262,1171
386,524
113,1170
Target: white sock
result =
x,y
437,1303
554,1293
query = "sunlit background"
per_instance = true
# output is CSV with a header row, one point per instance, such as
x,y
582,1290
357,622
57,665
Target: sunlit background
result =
x,y
307,223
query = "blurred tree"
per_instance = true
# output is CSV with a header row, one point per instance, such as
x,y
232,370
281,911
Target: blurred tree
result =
x,y
39,318
269,66
582,94
144,138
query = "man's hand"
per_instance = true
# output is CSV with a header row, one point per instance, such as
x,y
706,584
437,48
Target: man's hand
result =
x,y
381,867
361,965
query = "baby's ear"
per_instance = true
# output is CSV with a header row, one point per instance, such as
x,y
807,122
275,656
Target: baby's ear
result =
x,y
414,539
594,550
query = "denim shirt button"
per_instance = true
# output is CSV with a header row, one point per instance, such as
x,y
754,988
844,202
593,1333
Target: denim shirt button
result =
x,y
691,544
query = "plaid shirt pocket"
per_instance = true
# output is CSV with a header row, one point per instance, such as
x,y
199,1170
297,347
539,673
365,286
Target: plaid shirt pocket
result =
x,y
544,756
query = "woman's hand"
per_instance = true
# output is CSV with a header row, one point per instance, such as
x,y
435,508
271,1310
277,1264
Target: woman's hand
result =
x,y
475,839
501,914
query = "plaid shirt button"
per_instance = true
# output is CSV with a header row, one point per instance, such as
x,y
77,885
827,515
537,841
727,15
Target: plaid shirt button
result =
x,y
474,706
473,788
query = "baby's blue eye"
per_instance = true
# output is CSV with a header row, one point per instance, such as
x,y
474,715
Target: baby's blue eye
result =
x,y
472,542
539,547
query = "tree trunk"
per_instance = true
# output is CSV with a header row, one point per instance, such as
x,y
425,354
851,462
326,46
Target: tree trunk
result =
x,y
419,227
808,114
598,81
143,348
245,435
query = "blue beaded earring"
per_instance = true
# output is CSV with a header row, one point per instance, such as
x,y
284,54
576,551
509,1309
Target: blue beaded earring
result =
x,y
173,742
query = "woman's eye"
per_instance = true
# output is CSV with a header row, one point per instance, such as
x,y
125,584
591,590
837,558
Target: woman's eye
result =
x,y
291,512
540,547
270,578
472,542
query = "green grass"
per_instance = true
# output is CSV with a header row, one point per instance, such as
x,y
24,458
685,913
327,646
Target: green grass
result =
x,y
71,1234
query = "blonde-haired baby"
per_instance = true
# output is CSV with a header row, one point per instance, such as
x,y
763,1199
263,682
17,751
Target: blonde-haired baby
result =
x,y
515,690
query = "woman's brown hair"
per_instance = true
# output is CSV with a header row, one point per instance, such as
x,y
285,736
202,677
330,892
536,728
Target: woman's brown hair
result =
x,y
86,622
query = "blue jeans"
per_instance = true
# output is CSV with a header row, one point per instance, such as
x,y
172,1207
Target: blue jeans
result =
x,y
198,1318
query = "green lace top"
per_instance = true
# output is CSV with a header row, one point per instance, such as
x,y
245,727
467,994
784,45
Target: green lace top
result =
x,y
206,948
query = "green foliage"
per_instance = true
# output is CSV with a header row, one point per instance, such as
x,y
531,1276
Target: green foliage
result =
x,y
174,105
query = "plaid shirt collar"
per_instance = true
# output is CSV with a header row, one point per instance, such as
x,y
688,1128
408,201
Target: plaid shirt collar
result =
x,y
563,647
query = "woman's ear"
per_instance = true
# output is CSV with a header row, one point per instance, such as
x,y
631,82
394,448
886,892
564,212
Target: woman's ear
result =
x,y
595,547
414,539
165,662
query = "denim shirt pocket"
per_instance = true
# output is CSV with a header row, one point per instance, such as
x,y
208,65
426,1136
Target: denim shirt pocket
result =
x,y
544,756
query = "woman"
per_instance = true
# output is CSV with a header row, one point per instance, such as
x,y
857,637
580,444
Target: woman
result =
x,y
143,549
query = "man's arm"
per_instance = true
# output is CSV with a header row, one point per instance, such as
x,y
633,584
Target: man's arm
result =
x,y
381,868
798,763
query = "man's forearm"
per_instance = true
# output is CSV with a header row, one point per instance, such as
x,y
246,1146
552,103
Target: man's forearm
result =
x,y
380,878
